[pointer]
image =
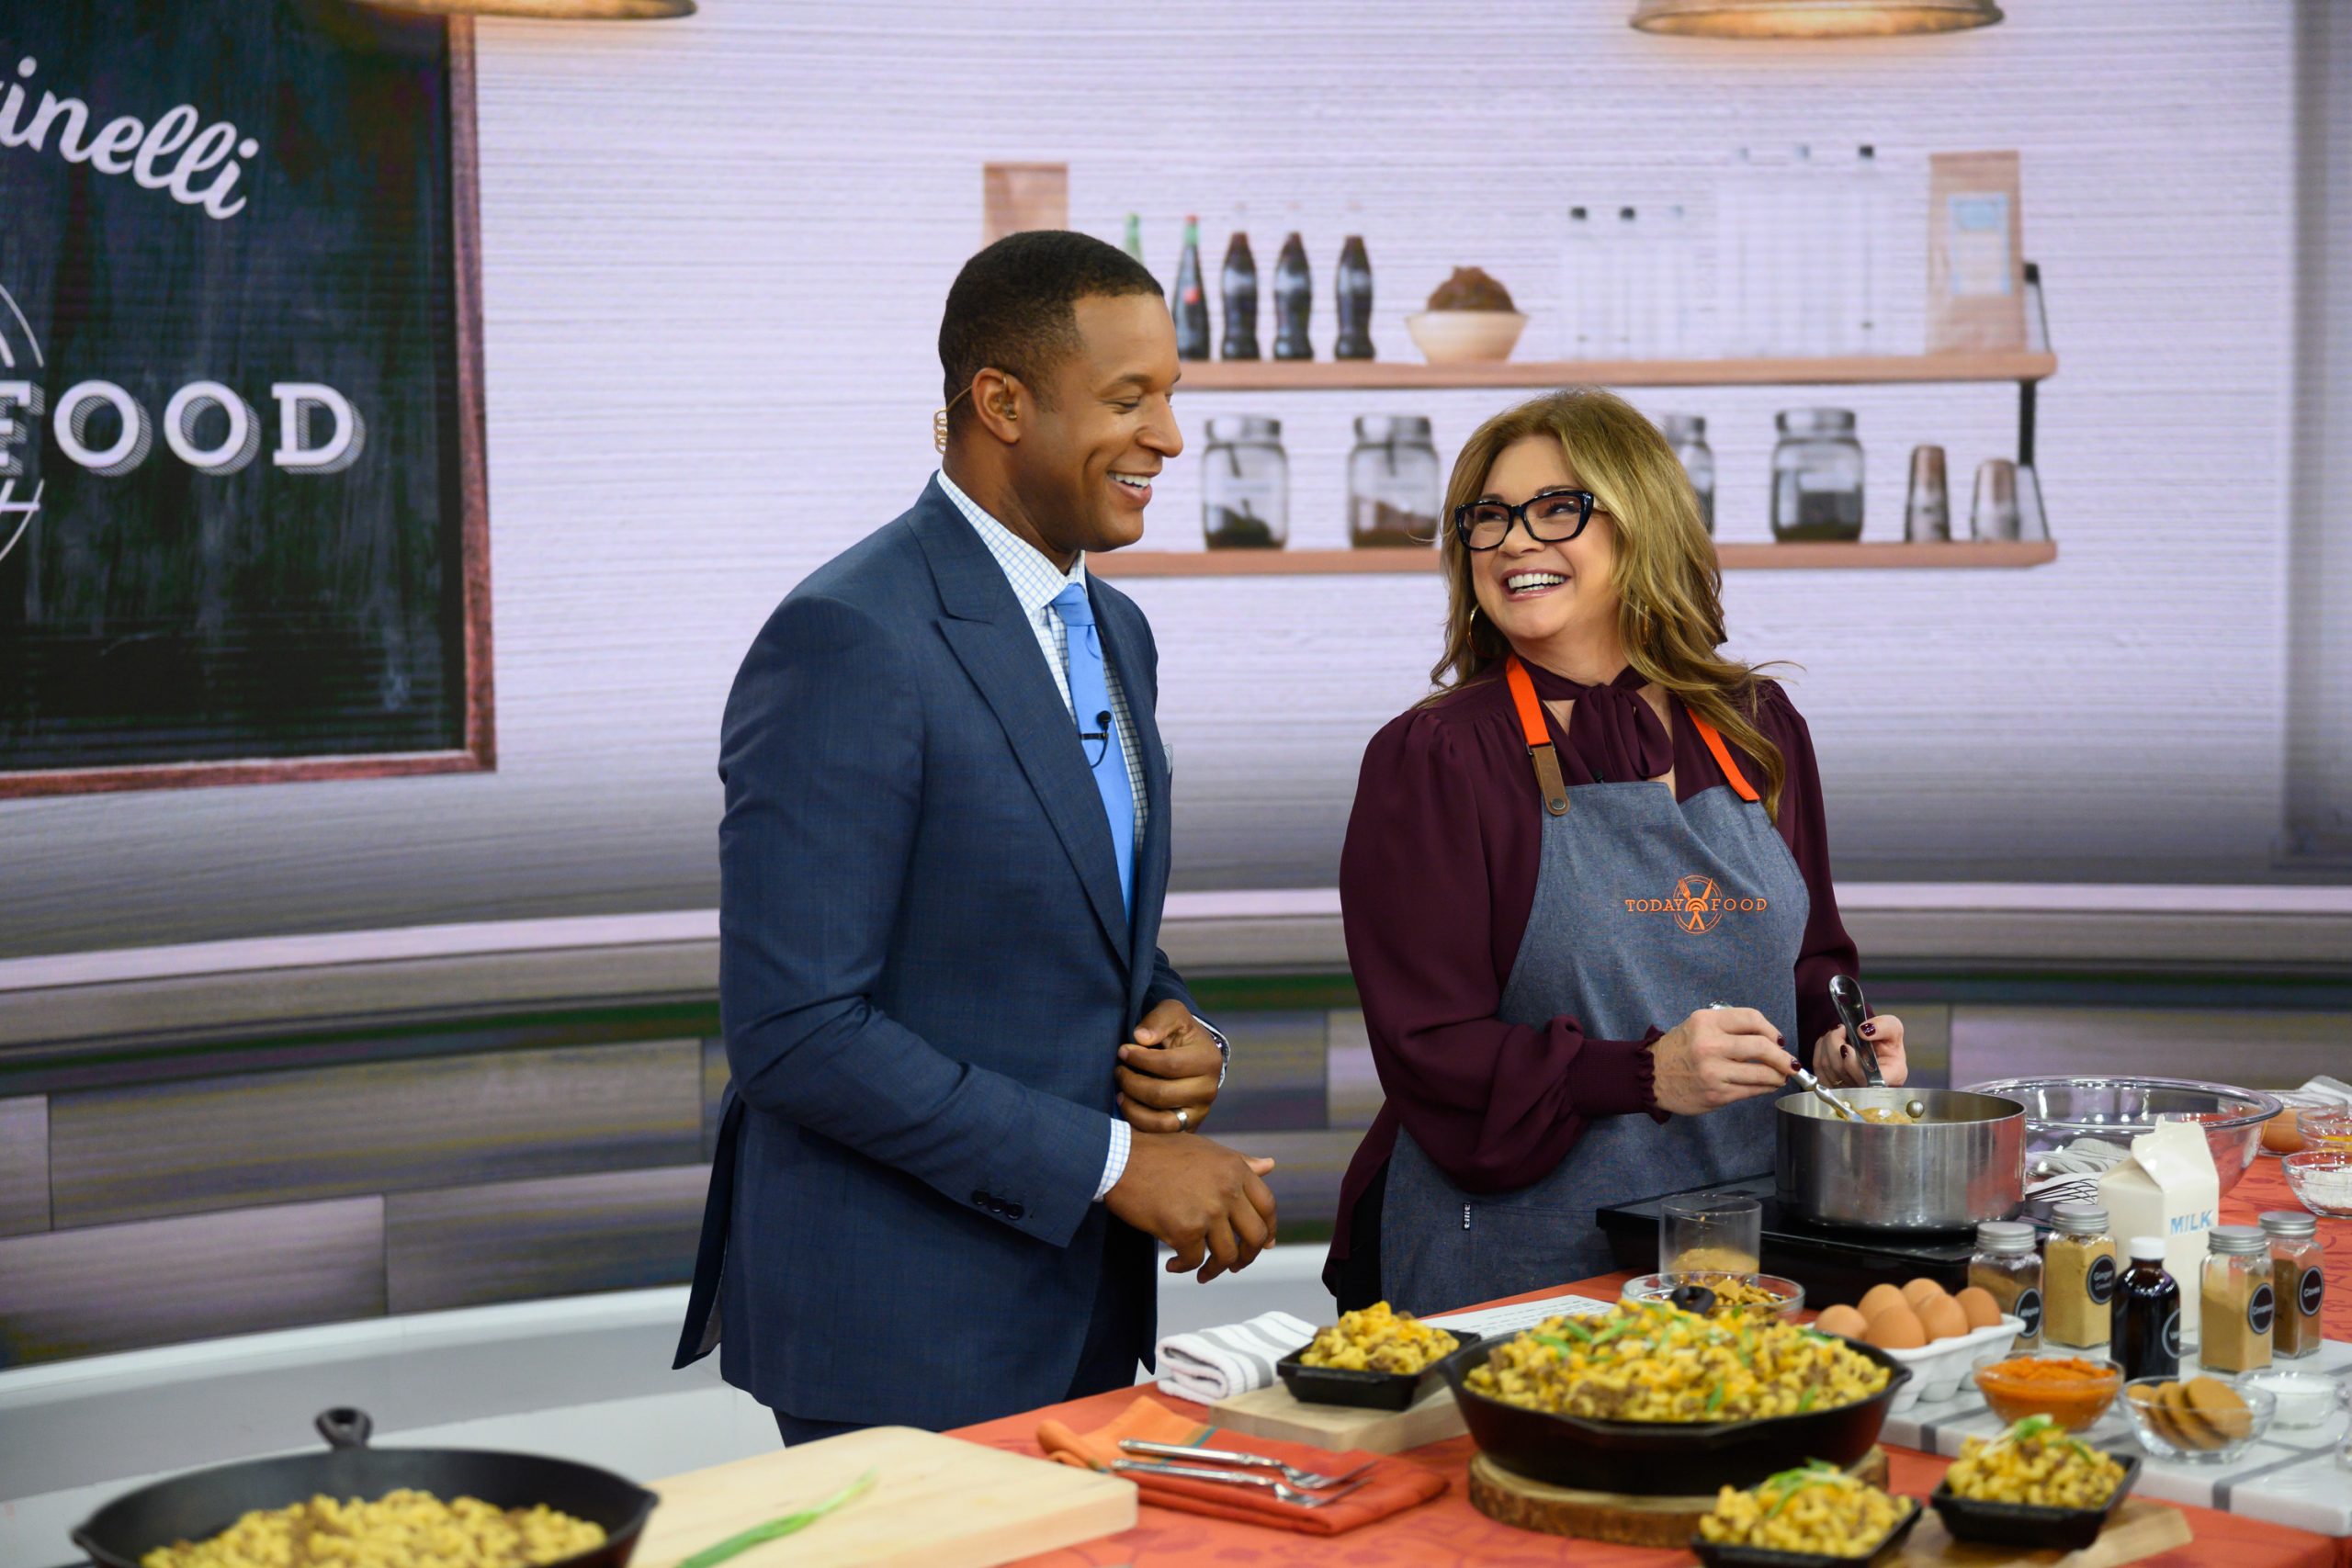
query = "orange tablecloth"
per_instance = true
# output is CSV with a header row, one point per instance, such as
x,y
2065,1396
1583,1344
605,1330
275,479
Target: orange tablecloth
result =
x,y
1449,1531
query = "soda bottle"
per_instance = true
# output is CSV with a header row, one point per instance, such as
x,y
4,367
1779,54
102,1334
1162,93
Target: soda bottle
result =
x,y
1191,305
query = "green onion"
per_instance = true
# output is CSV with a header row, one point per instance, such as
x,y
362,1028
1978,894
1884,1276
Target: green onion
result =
x,y
787,1525
1715,1400
1805,1402
1554,1340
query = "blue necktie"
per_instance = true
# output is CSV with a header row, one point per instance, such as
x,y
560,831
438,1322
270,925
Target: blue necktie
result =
x,y
1090,696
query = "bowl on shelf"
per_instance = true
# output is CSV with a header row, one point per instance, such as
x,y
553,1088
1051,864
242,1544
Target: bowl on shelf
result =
x,y
1788,1294
2028,1385
2208,1437
1466,337
2118,1109
2321,1180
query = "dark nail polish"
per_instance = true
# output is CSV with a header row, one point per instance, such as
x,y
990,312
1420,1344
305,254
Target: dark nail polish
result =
x,y
1870,1026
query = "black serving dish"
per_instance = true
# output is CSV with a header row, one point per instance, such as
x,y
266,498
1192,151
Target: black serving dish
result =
x,y
2023,1524
1664,1458
1366,1391
1728,1554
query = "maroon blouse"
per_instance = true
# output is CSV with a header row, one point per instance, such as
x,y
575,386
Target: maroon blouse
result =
x,y
1436,882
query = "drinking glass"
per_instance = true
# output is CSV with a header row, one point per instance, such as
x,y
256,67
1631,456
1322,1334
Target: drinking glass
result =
x,y
1710,1231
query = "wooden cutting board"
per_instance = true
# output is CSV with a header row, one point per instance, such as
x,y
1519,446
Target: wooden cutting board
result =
x,y
936,1503
2141,1527
1273,1413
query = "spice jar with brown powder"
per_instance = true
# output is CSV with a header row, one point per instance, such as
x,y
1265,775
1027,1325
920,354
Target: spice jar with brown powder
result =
x,y
2238,1303
2078,1279
2007,1269
2295,1258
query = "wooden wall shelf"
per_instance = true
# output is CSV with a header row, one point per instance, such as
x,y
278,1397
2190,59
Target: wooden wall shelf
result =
x,y
1733,557
1351,375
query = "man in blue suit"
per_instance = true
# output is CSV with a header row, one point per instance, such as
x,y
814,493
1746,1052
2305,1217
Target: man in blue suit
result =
x,y
966,1085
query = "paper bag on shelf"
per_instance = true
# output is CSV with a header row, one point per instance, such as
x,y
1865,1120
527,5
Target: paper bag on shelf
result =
x,y
1975,253
2169,1188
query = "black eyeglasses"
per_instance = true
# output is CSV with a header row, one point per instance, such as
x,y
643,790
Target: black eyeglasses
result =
x,y
1553,518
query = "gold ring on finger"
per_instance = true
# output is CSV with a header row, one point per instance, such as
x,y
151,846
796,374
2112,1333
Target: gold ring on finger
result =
x,y
1183,1120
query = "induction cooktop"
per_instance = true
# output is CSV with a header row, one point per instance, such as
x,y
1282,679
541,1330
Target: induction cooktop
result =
x,y
1834,1263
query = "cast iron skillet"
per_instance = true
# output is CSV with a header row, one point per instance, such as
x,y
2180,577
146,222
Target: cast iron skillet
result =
x,y
1649,1457
203,1504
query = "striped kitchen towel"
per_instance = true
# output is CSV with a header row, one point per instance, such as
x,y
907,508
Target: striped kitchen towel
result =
x,y
1210,1364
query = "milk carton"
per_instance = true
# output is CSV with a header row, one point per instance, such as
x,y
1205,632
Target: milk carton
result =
x,y
2169,1188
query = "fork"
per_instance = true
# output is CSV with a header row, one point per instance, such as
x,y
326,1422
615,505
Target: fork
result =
x,y
1307,1479
1282,1491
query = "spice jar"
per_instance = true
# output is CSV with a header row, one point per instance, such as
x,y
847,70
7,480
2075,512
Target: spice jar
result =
x,y
2239,1305
2078,1279
2295,1258
1244,484
1394,488
1817,476
2007,1267
1687,433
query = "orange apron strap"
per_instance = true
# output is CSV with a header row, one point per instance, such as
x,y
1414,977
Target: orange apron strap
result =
x,y
1732,775
1548,778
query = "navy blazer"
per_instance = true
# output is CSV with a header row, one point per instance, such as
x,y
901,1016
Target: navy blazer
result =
x,y
925,974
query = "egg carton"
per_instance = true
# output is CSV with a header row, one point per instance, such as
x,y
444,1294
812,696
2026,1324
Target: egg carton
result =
x,y
1937,1369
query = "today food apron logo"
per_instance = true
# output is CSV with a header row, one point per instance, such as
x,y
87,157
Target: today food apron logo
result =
x,y
1697,906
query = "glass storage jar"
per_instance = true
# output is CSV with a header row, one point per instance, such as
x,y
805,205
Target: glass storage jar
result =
x,y
2078,1280
2006,1267
2296,1280
1394,487
1816,476
2240,1307
1244,484
1687,433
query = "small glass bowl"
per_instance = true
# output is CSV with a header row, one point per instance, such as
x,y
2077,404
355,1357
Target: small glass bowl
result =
x,y
2076,1403
2165,1441
1658,1287
2302,1168
2329,1128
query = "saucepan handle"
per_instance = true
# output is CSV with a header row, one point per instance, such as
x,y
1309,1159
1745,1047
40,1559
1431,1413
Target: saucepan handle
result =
x,y
345,1428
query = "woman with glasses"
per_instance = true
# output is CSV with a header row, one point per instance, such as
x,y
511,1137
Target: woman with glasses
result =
x,y
1586,885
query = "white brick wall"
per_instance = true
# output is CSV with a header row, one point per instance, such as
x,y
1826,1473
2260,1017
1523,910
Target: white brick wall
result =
x,y
715,255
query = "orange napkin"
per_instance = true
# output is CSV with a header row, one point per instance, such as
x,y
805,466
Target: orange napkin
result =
x,y
1392,1485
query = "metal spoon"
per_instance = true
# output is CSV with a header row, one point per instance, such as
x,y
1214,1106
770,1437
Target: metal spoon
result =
x,y
1807,1080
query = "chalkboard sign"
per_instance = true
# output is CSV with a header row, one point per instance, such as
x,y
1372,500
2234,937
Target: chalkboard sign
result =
x,y
242,534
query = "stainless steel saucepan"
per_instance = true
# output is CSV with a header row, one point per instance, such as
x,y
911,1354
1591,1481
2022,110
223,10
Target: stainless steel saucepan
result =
x,y
1962,1163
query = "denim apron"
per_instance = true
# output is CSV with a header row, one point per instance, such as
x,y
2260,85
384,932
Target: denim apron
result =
x,y
1646,911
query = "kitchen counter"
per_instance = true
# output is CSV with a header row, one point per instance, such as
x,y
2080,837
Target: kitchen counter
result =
x,y
1448,1530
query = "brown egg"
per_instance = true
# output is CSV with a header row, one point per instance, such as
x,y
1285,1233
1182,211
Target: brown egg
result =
x,y
1878,1298
1897,1328
1943,1318
1977,1302
1920,1292
1842,1321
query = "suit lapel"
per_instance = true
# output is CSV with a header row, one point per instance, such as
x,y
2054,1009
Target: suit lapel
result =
x,y
984,627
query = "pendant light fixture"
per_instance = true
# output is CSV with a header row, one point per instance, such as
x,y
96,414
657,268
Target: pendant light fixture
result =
x,y
1812,18
547,10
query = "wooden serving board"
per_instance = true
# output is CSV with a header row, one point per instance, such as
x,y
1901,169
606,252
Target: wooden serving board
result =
x,y
1273,1413
1610,1515
936,1503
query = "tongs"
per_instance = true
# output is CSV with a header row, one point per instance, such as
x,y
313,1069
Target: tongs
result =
x,y
1820,1089
1846,996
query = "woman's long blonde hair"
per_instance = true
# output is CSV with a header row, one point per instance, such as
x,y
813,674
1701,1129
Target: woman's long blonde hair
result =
x,y
1669,591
